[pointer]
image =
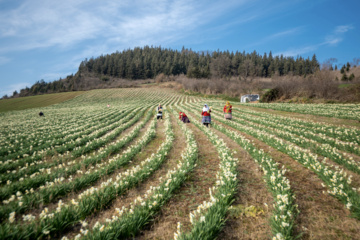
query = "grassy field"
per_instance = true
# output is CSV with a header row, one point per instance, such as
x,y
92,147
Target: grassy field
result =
x,y
35,101
92,171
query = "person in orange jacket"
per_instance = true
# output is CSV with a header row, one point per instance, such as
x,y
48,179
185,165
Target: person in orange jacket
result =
x,y
206,116
228,111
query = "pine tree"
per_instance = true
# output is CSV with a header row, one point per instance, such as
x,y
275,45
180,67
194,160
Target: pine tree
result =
x,y
344,77
351,77
342,70
347,66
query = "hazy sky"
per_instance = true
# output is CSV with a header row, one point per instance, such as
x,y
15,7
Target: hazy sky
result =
x,y
47,39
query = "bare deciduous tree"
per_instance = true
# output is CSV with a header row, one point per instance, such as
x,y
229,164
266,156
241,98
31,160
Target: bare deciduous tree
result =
x,y
220,67
247,70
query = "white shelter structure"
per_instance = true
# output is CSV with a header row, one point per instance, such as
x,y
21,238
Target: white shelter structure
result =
x,y
250,98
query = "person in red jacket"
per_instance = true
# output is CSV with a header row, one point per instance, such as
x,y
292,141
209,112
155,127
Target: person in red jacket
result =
x,y
183,117
206,117
227,111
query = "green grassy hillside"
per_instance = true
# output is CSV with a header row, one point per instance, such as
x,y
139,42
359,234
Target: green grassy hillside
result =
x,y
36,101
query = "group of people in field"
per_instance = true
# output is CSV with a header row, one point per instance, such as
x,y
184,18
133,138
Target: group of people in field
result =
x,y
206,114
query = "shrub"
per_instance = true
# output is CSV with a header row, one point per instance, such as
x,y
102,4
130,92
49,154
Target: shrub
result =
x,y
351,77
160,78
271,95
344,77
105,78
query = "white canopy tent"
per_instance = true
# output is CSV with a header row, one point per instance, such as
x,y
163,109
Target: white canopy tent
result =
x,y
249,98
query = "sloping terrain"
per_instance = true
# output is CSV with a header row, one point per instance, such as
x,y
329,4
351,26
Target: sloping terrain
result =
x,y
102,166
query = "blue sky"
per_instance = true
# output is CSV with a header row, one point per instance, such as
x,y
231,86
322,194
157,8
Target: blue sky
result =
x,y
47,39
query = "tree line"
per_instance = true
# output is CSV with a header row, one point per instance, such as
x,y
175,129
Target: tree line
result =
x,y
148,62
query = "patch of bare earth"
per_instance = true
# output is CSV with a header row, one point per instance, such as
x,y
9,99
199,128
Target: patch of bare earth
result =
x,y
252,191
321,215
192,193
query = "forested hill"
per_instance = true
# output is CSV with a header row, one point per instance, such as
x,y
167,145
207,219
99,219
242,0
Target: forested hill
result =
x,y
148,62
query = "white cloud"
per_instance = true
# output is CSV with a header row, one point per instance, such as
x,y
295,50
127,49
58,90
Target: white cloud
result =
x,y
297,51
343,29
277,35
8,90
332,39
42,23
337,35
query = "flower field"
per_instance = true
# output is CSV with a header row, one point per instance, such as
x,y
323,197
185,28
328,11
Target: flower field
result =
x,y
102,166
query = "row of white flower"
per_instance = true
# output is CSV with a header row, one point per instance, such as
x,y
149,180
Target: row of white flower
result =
x,y
128,220
337,181
29,129
79,139
91,199
347,111
63,125
37,179
207,219
138,102
285,210
325,150
52,190
65,143
100,133
43,139
343,133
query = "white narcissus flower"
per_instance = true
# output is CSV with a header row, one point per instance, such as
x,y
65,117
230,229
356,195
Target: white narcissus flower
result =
x,y
12,217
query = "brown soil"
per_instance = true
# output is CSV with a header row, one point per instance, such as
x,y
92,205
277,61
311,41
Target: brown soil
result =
x,y
356,177
193,192
147,150
129,197
321,215
252,191
173,158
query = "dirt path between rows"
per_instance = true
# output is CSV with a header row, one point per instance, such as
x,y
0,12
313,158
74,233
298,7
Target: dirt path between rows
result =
x,y
193,192
146,151
252,191
321,215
